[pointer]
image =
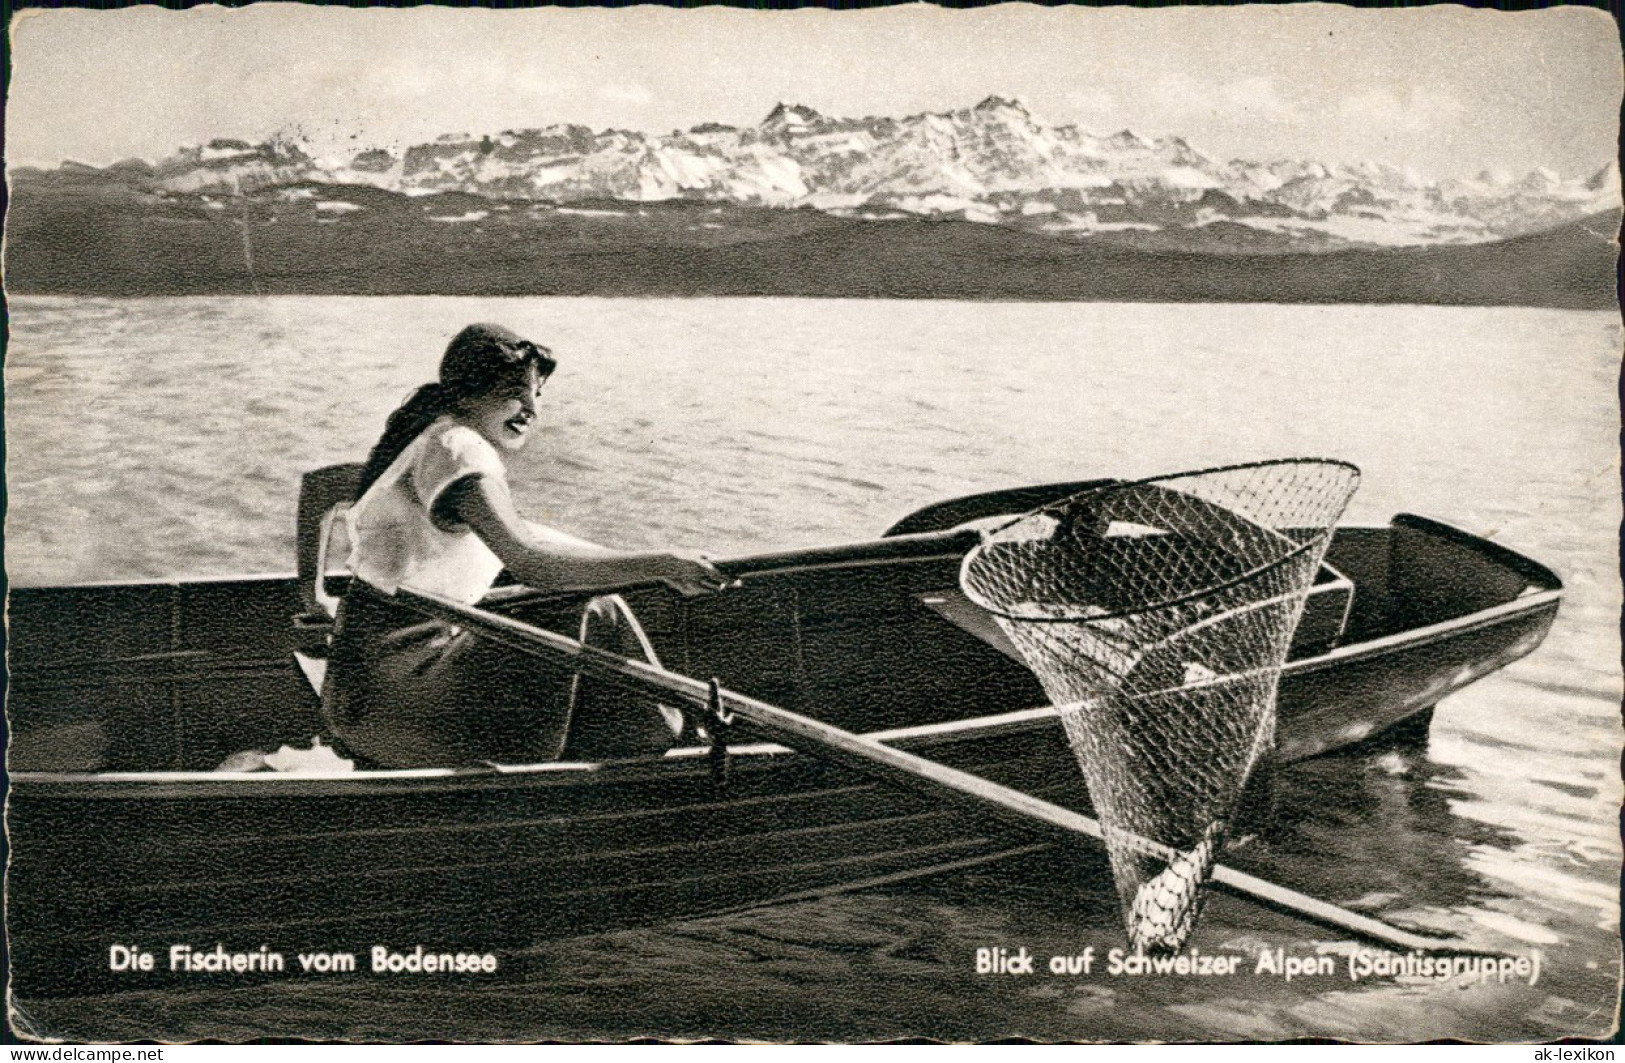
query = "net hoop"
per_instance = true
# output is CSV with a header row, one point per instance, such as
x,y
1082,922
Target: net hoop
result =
x,y
1157,614
967,584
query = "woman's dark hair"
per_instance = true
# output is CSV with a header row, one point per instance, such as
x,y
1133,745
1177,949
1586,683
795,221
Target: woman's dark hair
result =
x,y
478,360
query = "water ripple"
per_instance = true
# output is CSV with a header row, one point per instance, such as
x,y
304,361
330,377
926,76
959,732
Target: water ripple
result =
x,y
165,438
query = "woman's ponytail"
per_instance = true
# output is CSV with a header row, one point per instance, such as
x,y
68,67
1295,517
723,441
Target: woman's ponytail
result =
x,y
479,358
404,425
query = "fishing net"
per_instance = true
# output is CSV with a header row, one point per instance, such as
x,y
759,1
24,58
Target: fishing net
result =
x,y
1157,616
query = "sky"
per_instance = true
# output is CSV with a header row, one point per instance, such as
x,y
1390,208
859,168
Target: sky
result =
x,y
1447,91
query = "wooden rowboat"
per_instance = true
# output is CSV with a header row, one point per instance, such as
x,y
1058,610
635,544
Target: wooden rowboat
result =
x,y
125,697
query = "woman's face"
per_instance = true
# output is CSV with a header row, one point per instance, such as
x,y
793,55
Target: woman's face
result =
x,y
506,415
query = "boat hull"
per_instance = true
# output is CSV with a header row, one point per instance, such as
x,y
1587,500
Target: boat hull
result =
x,y
127,678
472,862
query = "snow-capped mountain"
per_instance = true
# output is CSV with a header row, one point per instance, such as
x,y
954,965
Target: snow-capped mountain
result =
x,y
233,166
995,163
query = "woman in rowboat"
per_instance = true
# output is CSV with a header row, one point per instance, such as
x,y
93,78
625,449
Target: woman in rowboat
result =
x,y
433,513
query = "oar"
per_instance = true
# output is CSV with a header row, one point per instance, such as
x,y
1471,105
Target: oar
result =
x,y
923,546
895,765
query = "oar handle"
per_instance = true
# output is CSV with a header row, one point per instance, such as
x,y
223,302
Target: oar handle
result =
x,y
925,546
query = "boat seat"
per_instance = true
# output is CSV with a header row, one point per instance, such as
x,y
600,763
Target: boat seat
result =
x,y
1325,617
1320,629
967,616
324,495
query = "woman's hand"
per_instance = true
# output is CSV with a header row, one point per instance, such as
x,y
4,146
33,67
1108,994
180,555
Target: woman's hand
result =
x,y
689,574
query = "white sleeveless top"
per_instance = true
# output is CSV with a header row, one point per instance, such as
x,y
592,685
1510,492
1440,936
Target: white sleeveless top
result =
x,y
394,541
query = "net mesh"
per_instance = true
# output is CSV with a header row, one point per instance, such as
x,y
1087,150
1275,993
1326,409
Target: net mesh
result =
x,y
1157,616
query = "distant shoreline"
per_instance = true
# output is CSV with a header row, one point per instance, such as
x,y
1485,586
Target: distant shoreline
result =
x,y
104,239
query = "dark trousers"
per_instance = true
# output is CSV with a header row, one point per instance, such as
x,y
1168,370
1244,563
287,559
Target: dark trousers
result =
x,y
405,691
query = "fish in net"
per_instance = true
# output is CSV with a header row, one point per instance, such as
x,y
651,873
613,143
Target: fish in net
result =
x,y
1157,615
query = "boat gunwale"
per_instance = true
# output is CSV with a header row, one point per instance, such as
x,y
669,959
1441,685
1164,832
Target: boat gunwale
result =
x,y
439,780
1505,556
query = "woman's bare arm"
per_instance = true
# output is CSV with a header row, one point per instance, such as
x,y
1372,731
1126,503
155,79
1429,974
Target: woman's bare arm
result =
x,y
553,560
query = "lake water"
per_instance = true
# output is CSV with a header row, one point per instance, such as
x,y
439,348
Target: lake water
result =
x,y
164,438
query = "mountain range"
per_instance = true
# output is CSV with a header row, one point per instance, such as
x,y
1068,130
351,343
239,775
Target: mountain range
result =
x,y
730,194
992,163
